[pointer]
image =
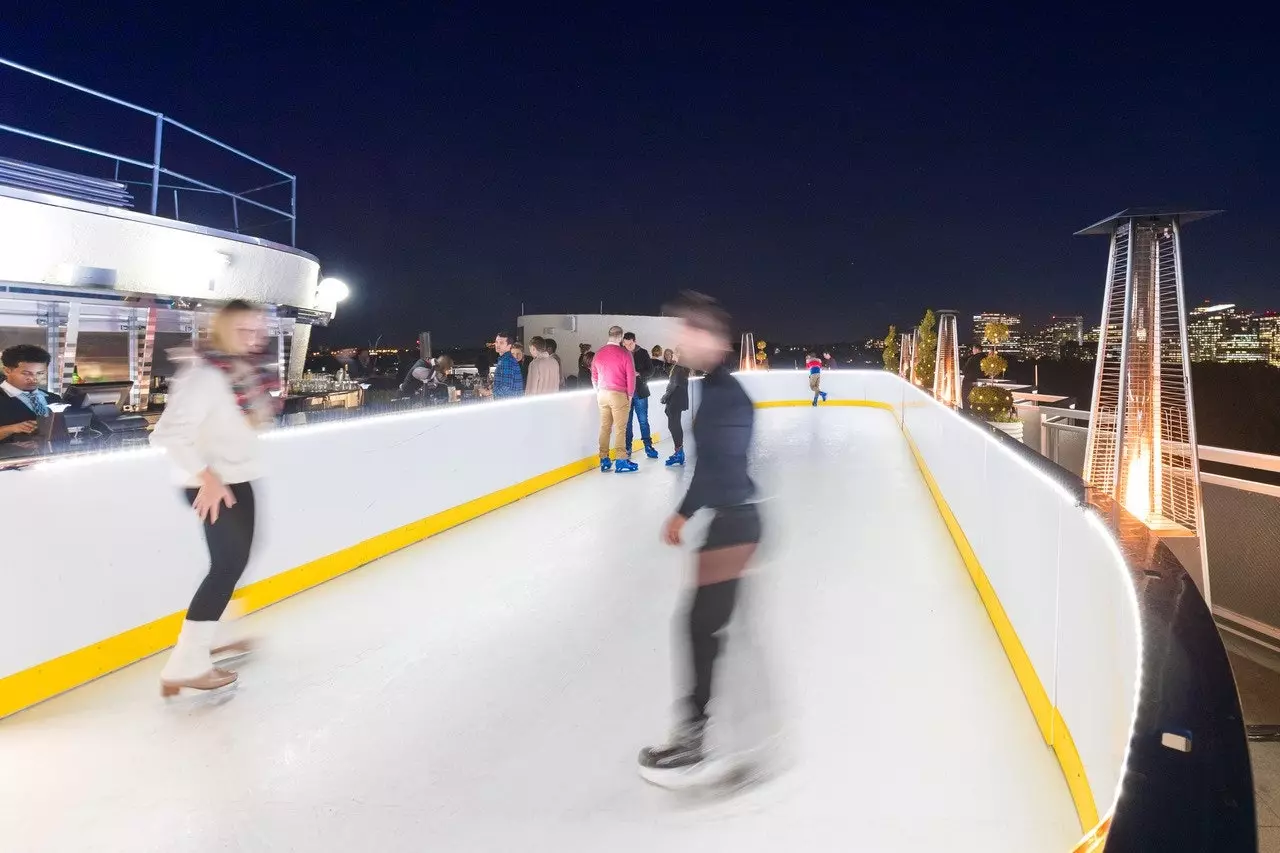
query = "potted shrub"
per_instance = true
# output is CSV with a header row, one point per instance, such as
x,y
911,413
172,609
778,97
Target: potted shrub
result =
x,y
994,404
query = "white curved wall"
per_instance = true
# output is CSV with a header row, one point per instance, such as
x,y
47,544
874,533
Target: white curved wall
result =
x,y
1058,574
136,553
45,236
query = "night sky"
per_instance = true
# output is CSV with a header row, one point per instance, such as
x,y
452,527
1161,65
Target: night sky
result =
x,y
824,173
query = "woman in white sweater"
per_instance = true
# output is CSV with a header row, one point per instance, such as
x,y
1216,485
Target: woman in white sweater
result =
x,y
209,429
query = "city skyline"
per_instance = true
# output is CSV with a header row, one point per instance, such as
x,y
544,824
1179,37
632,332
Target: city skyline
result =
x,y
823,172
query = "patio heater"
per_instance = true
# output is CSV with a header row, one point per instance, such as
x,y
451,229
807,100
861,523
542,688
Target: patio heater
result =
x,y
907,355
1141,448
946,376
747,355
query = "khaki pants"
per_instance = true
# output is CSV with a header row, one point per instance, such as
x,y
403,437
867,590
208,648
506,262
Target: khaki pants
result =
x,y
615,411
815,382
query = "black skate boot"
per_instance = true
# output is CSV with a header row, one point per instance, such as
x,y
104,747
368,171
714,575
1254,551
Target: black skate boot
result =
x,y
681,762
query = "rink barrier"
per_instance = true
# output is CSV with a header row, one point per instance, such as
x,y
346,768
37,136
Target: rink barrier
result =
x,y
31,686
1053,728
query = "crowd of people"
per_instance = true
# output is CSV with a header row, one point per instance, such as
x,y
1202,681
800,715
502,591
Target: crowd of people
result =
x,y
222,399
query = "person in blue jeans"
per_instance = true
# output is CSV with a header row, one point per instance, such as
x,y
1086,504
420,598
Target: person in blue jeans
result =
x,y
640,402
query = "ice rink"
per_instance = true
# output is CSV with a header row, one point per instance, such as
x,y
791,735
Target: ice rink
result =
x,y
488,690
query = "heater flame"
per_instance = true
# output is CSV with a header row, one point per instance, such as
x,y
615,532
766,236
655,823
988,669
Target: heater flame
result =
x,y
1137,487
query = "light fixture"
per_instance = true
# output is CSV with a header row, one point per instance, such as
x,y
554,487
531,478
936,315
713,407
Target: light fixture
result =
x,y
333,290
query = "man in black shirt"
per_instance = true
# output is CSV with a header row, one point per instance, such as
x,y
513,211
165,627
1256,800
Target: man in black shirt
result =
x,y
722,433
640,402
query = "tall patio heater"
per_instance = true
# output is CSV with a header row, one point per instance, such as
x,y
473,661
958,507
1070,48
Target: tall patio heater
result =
x,y
946,375
907,355
1141,448
747,355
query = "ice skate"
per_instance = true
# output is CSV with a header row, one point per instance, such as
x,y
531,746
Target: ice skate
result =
x,y
676,458
823,395
625,466
605,466
215,680
232,654
682,762
650,452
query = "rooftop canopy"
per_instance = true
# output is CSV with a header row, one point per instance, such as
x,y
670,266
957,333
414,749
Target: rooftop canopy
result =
x,y
1149,214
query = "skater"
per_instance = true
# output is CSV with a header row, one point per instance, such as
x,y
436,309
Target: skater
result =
x,y
814,365
613,374
209,430
722,432
640,400
676,401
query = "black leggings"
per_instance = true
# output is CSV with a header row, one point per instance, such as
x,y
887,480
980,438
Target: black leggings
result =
x,y
229,541
676,427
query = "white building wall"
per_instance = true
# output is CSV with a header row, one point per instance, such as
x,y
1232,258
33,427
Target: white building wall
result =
x,y
569,330
45,239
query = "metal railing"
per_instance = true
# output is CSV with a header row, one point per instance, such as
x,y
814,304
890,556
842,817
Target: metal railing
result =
x,y
1239,517
157,167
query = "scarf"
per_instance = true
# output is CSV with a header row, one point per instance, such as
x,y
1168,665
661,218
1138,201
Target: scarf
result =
x,y
252,379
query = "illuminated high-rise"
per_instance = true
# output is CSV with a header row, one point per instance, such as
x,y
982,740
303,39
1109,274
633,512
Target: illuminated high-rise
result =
x,y
1269,337
1013,346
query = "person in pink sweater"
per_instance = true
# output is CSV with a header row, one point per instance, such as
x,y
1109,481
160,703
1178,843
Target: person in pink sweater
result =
x,y
613,375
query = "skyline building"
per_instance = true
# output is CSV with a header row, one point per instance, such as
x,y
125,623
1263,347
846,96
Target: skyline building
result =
x,y
1013,346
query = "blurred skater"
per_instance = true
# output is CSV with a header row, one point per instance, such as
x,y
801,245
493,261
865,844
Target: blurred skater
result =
x,y
220,400
814,366
676,401
722,432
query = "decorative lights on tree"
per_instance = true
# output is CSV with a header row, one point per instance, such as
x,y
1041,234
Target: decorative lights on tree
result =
x,y
926,350
890,353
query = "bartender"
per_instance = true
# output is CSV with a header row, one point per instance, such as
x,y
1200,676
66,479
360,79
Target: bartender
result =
x,y
23,401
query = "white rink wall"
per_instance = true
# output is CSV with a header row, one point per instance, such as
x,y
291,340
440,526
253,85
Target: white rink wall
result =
x,y
111,546
1058,574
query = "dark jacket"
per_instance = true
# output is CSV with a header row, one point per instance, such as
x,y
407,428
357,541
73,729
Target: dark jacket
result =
x,y
722,431
14,411
677,397
644,370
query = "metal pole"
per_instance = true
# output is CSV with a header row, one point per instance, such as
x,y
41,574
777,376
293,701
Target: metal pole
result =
x,y
1193,438
175,206
293,207
1124,363
155,166
235,213
1095,404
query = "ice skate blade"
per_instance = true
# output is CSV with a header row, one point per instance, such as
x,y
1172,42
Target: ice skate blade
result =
x,y
233,660
705,774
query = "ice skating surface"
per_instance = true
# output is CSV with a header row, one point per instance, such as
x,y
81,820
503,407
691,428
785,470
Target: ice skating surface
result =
x,y
488,690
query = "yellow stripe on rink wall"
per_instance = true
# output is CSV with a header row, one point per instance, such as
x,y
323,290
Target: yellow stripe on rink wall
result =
x,y
1052,726
43,681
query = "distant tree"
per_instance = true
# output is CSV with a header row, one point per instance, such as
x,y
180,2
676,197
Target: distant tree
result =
x,y
926,349
890,353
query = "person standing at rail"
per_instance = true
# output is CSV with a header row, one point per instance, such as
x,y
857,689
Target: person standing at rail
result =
x,y
676,401
722,432
220,400
613,375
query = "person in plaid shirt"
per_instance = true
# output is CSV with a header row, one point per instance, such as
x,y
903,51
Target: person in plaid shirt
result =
x,y
507,381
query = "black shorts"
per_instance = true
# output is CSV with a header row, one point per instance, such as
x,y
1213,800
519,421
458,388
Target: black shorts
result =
x,y
733,525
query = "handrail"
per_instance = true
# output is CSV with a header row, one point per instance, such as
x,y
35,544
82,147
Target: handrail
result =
x,y
47,76
155,165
